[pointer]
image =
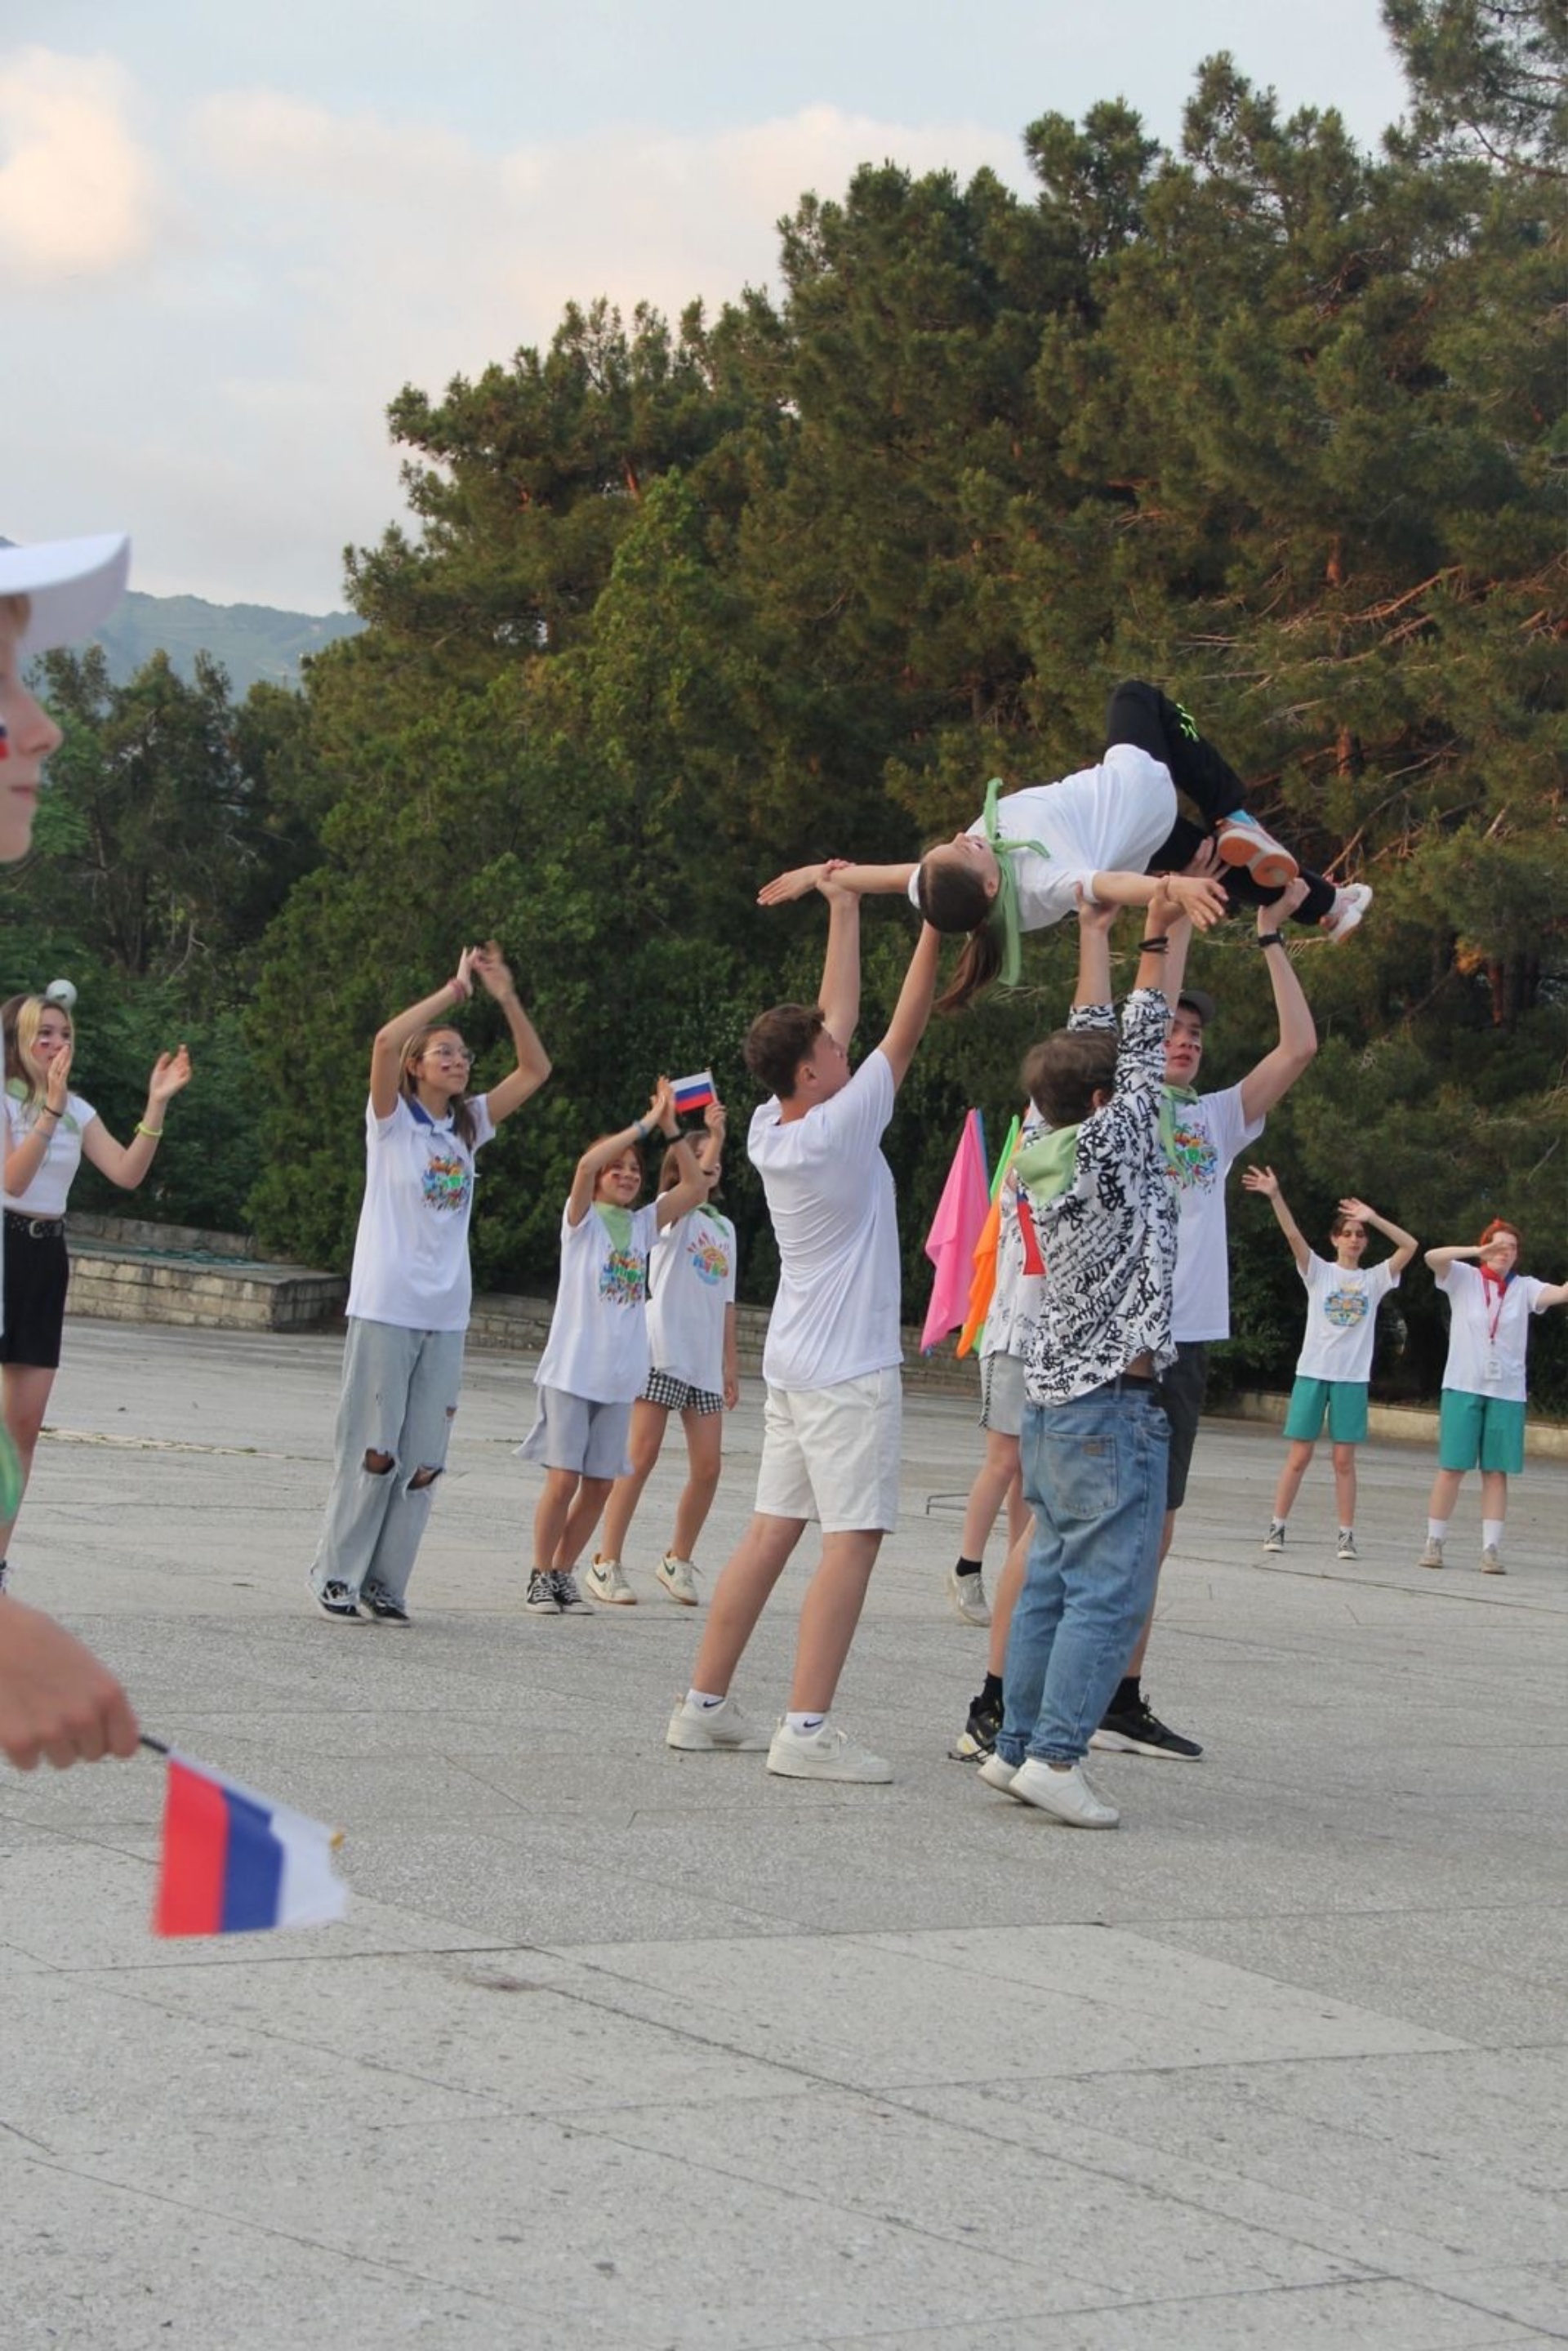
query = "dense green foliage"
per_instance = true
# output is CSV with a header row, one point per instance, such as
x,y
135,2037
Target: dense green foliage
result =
x,y
1275,421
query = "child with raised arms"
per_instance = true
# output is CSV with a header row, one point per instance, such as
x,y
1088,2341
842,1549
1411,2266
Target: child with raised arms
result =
x,y
595,1362
1110,832
692,1346
1336,1361
411,1289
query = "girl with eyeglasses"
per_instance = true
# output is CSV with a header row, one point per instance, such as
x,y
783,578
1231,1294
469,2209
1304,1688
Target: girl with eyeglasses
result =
x,y
411,1289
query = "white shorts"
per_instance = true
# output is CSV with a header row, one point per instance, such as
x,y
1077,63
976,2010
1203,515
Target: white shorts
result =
x,y
832,1454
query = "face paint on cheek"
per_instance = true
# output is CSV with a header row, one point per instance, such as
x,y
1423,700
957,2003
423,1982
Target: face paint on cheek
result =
x,y
4,741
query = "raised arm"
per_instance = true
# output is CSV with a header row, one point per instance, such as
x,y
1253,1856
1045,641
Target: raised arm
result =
x,y
1438,1261
912,1010
1277,1072
533,1063
840,994
690,1192
1405,1244
1094,926
1194,894
1264,1180
1550,1293
127,1162
865,880
394,1039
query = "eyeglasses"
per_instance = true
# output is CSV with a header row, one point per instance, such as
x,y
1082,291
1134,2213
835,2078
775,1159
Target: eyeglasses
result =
x,y
449,1053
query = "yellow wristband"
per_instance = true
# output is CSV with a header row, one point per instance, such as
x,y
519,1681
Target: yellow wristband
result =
x,y
152,1133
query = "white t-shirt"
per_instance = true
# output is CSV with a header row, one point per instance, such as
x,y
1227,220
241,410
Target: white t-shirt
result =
x,y
1473,1349
1208,1134
829,1194
1015,1302
1105,820
691,1280
45,1195
1341,1318
410,1253
598,1344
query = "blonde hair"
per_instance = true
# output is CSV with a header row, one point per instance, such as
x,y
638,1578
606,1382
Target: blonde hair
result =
x,y
20,1019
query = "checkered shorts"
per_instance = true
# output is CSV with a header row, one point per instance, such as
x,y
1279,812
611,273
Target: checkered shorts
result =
x,y
679,1395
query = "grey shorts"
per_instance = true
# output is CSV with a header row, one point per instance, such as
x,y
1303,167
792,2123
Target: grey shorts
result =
x,y
1182,1387
572,1431
1002,1397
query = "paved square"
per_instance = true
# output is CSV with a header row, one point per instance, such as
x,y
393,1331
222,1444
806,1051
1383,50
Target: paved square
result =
x,y
626,2048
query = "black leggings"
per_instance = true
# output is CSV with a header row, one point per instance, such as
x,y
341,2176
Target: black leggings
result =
x,y
1141,715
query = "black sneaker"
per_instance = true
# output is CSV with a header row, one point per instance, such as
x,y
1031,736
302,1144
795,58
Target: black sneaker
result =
x,y
1138,1730
978,1737
380,1604
336,1599
542,1597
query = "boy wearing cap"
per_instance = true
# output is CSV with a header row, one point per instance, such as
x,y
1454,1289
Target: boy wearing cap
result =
x,y
1207,1132
56,1700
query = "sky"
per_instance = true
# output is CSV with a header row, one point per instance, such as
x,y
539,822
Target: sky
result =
x,y
228,238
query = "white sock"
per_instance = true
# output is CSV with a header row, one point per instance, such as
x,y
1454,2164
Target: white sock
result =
x,y
1347,1530
1436,1530
706,1699
1492,1534
803,1724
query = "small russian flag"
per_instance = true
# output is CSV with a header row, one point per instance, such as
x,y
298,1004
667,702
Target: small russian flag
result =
x,y
234,1862
695,1093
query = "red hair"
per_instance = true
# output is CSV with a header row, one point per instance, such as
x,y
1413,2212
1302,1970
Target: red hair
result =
x,y
1500,1225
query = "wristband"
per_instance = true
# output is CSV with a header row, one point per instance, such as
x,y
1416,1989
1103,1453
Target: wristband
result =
x,y
48,1110
153,1132
1270,938
1153,946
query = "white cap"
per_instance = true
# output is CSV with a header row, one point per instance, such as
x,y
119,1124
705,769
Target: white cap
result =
x,y
72,585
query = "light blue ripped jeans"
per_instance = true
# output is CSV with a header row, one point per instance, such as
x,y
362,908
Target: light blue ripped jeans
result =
x,y
1094,1475
400,1393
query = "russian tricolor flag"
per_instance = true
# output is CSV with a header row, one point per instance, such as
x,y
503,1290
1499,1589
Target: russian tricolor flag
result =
x,y
234,1862
695,1093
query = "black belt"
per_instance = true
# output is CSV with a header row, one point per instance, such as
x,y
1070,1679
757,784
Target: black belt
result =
x,y
36,1228
1123,1380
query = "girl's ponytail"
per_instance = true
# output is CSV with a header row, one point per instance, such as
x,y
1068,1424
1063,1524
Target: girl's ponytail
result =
x,y
975,969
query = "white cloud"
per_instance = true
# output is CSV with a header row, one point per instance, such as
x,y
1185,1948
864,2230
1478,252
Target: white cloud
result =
x,y
77,193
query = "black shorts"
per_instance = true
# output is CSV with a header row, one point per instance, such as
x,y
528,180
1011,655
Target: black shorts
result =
x,y
37,1271
1182,1390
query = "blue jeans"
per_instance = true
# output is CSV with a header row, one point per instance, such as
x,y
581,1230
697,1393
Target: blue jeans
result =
x,y
1095,1476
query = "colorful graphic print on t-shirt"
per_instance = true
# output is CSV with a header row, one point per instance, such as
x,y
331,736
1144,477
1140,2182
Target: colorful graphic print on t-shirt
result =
x,y
1193,1160
622,1278
1345,1307
705,1251
447,1181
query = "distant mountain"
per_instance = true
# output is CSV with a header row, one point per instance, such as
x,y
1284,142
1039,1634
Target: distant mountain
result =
x,y
253,641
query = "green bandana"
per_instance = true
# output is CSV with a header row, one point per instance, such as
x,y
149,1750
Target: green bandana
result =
x,y
1045,1165
1004,852
18,1090
1169,1097
617,1223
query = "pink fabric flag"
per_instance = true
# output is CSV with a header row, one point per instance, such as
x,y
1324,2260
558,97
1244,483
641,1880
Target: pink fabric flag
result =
x,y
957,1226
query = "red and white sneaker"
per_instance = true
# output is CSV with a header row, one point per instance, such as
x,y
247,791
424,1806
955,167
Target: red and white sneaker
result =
x,y
1241,840
1350,904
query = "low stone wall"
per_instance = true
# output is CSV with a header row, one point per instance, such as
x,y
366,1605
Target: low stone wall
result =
x,y
126,1271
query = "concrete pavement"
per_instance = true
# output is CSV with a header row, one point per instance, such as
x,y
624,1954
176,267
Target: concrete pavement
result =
x,y
624,2048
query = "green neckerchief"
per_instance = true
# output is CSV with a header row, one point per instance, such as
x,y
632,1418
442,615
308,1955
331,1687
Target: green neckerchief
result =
x,y
706,1208
1169,1097
1045,1165
18,1090
1004,852
617,1223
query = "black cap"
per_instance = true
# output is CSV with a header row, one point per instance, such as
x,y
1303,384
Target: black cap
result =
x,y
1199,1000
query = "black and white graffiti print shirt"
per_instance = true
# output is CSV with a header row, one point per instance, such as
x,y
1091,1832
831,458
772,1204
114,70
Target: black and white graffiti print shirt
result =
x,y
1109,1239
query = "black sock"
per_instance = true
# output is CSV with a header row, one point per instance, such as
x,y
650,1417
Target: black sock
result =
x,y
967,1567
993,1690
1126,1695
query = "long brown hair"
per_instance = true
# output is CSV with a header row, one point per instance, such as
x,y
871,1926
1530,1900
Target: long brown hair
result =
x,y
464,1125
954,898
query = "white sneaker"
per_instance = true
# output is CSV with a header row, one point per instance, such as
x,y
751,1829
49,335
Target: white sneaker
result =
x,y
714,1730
966,1594
824,1754
998,1773
679,1579
1491,1564
1345,1546
1065,1795
1275,1537
1350,904
607,1584
1433,1554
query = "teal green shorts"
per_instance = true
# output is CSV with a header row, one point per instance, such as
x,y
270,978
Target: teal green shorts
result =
x,y
1484,1429
1344,1402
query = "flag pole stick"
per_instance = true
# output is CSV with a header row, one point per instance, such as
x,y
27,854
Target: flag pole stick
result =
x,y
156,1745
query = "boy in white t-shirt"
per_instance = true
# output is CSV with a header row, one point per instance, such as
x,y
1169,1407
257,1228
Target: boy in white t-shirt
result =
x,y
832,1418
596,1356
1336,1363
